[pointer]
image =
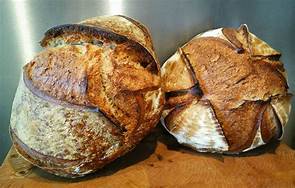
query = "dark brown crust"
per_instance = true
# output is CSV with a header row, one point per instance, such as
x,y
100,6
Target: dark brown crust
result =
x,y
179,100
195,90
279,128
99,33
270,57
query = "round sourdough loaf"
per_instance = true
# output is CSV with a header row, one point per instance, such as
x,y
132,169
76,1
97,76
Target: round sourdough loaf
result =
x,y
89,97
226,91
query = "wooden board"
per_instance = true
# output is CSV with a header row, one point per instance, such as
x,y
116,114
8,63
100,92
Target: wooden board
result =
x,y
160,162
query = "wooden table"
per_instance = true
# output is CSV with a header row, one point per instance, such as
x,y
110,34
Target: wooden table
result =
x,y
159,161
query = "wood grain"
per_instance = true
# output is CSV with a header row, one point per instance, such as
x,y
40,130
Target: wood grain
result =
x,y
160,162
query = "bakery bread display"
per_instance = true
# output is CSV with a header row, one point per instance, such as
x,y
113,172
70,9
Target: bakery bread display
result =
x,y
226,91
88,97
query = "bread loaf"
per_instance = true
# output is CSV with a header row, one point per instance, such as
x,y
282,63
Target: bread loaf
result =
x,y
89,97
226,91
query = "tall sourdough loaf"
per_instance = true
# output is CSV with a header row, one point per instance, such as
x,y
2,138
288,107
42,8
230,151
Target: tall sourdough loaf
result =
x,y
89,97
226,91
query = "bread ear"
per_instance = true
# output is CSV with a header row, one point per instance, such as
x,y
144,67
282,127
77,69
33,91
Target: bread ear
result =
x,y
125,26
238,74
94,92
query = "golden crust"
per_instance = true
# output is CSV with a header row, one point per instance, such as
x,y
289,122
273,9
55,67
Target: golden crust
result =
x,y
239,79
100,64
124,26
77,136
62,167
175,74
60,73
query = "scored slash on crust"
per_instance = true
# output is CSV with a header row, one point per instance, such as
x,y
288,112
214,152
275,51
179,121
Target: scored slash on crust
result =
x,y
94,92
195,125
269,109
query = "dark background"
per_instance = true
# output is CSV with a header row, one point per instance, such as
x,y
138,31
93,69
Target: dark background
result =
x,y
171,22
